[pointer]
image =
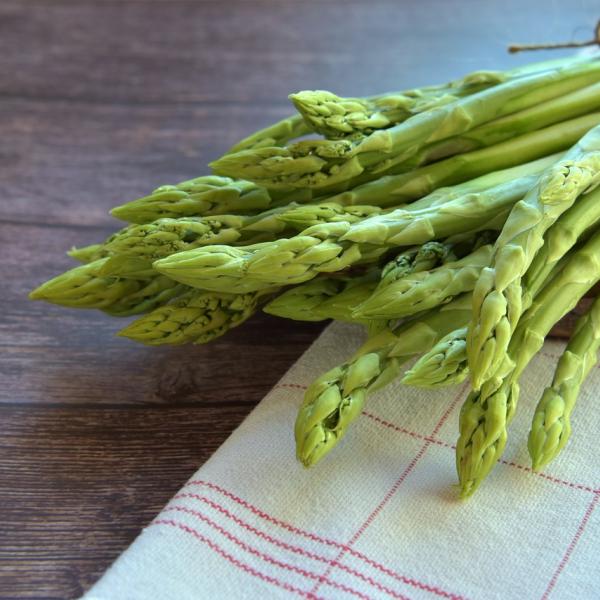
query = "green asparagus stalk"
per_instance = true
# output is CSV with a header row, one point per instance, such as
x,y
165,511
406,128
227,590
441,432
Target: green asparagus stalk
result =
x,y
334,246
277,134
283,262
406,187
174,235
126,267
426,289
336,117
317,164
488,411
206,196
334,400
87,254
164,237
152,293
446,363
85,287
570,106
167,236
415,260
307,215
551,426
438,193
575,225
201,196
195,317
497,296
315,300
341,306
302,302
324,298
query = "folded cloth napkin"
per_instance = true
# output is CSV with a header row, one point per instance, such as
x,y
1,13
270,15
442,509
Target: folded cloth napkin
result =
x,y
379,517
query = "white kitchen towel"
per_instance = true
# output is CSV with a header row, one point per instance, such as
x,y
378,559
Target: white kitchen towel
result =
x,y
379,517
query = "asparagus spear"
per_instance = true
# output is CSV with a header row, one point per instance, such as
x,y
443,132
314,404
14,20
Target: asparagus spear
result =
x,y
167,236
324,298
336,117
277,134
83,287
406,187
551,426
151,294
315,299
283,262
446,363
576,224
200,196
334,400
195,317
570,106
334,246
487,411
126,267
205,196
415,260
296,126
302,302
88,254
307,215
497,296
316,164
426,289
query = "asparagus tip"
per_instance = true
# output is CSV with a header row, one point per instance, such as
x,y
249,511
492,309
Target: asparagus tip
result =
x,y
37,294
119,212
537,463
467,489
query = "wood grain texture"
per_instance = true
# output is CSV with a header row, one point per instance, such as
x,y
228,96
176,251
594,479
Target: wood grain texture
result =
x,y
100,102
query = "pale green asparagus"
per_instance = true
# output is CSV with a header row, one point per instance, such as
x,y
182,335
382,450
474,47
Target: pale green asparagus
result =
x,y
497,296
488,411
336,117
551,426
83,287
336,398
446,363
334,246
426,289
196,317
322,163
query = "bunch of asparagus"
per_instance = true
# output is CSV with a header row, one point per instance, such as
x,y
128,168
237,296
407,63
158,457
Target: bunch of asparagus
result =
x,y
457,222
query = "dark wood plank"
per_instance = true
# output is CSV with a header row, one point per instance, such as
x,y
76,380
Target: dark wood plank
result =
x,y
77,485
102,105
51,354
70,162
258,51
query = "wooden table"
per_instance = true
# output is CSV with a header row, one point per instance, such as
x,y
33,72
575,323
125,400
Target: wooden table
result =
x,y
100,102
